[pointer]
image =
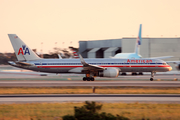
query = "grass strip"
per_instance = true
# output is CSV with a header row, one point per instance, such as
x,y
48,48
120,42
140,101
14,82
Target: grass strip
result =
x,y
54,111
88,90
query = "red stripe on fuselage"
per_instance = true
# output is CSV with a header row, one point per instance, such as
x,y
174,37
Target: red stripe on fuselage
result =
x,y
101,66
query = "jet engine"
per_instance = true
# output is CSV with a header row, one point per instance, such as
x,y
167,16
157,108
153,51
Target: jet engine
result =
x,y
178,66
109,72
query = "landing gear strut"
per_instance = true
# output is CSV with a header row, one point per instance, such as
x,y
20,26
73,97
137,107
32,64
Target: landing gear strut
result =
x,y
152,75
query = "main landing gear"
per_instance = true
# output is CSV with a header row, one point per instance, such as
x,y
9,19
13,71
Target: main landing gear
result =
x,y
88,77
140,73
134,73
152,75
123,73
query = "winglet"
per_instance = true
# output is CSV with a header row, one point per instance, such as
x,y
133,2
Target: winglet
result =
x,y
82,60
59,56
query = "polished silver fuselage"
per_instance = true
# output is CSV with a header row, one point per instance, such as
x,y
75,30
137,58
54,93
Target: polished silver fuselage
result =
x,y
75,66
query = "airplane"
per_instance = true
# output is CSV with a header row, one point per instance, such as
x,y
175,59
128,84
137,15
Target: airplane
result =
x,y
102,67
75,55
136,54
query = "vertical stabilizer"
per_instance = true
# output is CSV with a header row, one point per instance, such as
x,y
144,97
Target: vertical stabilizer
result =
x,y
75,55
22,51
138,41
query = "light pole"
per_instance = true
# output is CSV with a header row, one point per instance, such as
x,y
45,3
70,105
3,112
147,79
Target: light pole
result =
x,y
42,50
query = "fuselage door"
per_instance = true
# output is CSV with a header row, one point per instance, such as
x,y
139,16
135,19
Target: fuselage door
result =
x,y
40,65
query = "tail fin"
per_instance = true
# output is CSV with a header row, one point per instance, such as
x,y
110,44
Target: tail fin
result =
x,y
22,51
75,55
138,41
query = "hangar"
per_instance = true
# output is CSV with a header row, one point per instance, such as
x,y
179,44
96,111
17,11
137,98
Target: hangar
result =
x,y
100,48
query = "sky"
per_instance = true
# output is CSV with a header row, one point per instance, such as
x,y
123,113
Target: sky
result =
x,y
63,23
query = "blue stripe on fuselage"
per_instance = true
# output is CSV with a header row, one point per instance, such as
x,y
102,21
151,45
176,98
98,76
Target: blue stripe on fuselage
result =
x,y
91,63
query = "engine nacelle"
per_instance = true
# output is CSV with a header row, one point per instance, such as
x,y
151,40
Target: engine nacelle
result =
x,y
178,66
109,72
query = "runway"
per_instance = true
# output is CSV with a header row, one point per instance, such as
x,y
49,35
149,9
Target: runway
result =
x,y
28,83
11,73
160,98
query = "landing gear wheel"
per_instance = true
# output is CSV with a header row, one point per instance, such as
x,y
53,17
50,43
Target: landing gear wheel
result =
x,y
151,79
134,73
84,78
92,79
88,79
140,73
123,74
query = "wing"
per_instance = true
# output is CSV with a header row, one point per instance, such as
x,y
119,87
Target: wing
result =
x,y
87,66
163,57
175,62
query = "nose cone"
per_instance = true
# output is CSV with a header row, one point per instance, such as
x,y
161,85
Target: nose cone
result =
x,y
169,68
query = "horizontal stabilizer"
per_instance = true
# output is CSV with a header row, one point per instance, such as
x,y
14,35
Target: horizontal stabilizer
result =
x,y
18,64
24,64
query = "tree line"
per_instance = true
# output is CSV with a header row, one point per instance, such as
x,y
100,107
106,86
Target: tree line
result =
x,y
64,53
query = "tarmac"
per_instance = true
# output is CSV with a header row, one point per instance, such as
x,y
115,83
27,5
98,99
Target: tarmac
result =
x,y
80,83
150,98
14,77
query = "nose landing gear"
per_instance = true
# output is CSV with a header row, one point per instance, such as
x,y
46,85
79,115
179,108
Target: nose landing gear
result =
x,y
152,75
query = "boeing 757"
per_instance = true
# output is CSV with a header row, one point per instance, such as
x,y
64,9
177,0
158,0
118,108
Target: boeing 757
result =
x,y
102,67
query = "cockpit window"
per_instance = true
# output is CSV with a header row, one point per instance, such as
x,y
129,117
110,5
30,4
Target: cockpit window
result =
x,y
164,63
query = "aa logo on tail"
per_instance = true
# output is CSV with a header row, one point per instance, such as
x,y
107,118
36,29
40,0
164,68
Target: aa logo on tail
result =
x,y
24,50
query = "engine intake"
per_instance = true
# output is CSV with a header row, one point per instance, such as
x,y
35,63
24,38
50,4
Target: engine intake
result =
x,y
109,72
178,66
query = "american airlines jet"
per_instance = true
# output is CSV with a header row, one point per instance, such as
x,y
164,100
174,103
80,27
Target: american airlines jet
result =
x,y
136,54
102,67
